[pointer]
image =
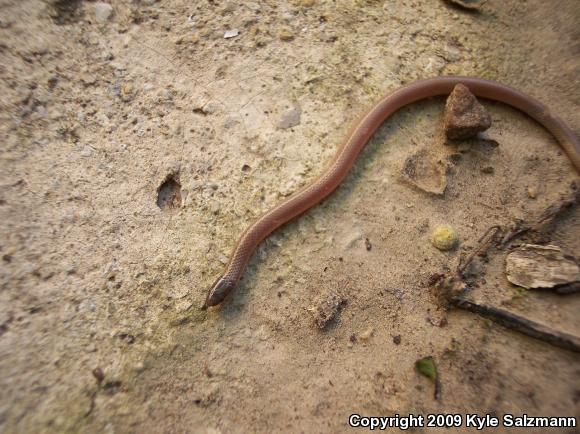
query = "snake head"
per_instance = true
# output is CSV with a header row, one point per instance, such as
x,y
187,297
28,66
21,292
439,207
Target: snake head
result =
x,y
219,291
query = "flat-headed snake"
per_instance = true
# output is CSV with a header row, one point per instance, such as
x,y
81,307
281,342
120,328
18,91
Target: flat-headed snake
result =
x,y
346,155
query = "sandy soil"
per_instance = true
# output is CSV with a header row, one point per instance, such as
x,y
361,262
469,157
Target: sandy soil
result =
x,y
96,278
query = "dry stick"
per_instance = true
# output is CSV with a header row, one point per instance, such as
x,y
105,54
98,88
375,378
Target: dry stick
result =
x,y
547,216
481,249
520,324
505,318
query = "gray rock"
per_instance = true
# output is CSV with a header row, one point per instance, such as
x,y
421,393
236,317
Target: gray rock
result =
x,y
290,119
103,12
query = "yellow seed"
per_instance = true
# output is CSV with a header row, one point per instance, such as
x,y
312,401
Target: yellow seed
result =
x,y
444,237
532,192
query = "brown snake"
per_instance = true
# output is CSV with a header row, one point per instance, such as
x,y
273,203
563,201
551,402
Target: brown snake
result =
x,y
346,155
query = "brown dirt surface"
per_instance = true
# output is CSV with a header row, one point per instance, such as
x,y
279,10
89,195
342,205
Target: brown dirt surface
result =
x,y
135,147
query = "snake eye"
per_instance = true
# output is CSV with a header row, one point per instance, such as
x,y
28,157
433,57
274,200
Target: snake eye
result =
x,y
219,291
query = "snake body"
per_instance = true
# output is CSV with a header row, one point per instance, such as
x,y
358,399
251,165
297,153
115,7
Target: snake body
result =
x,y
347,153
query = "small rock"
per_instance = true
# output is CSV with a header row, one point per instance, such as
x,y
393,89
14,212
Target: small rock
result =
x,y
103,12
397,340
444,238
88,79
290,119
532,192
327,309
534,266
367,334
285,34
426,172
187,39
231,33
87,151
488,170
464,115
99,375
127,91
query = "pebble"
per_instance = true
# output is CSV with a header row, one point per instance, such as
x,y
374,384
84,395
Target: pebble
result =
x,y
87,151
425,172
488,170
231,33
285,35
290,119
327,309
532,192
103,12
367,334
464,115
98,374
188,39
444,238
127,91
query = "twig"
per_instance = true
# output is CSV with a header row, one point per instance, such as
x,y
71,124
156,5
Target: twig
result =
x,y
452,288
520,324
547,216
481,249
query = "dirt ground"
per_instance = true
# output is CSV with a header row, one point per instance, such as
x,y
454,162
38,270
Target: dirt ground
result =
x,y
100,288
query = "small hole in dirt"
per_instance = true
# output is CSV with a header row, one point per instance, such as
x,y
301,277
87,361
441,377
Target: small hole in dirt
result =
x,y
169,193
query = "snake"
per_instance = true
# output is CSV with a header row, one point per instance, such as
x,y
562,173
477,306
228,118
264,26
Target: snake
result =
x,y
331,177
